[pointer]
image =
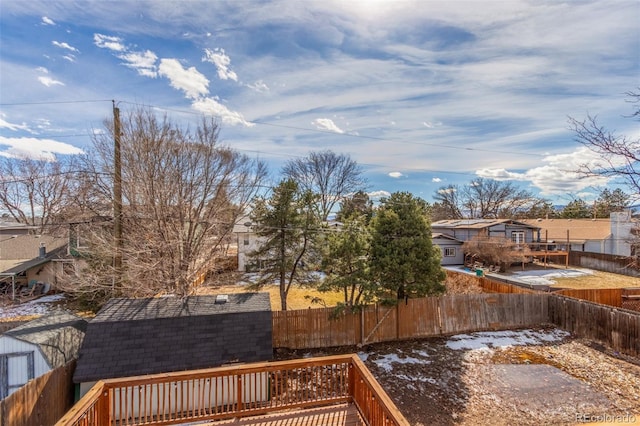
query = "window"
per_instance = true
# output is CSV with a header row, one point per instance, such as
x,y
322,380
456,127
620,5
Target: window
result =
x,y
246,241
449,252
517,237
16,369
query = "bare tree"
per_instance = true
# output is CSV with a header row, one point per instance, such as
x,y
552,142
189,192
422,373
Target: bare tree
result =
x,y
447,204
36,192
329,175
182,194
619,155
498,251
482,198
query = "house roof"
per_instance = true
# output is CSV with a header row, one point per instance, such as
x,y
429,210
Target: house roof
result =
x,y
175,307
58,335
131,337
437,235
22,252
477,223
579,229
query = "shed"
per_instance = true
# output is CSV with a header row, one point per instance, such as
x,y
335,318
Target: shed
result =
x,y
131,337
34,348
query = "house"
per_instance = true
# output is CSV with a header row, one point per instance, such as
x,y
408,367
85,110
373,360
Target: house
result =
x,y
131,337
34,348
450,247
616,235
465,229
26,260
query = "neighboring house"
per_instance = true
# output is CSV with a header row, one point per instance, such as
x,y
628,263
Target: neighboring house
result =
x,y
26,260
39,346
465,229
131,337
9,228
450,247
616,235
248,242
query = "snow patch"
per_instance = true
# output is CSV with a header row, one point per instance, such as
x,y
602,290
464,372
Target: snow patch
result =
x,y
386,361
507,338
38,306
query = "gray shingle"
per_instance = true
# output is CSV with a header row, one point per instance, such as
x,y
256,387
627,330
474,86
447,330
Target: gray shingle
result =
x,y
143,336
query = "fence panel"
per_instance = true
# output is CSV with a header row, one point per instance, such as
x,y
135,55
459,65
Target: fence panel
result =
x,y
476,312
419,318
379,324
609,296
616,328
42,401
315,328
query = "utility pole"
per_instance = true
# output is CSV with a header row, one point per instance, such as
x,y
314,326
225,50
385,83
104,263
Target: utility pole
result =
x,y
117,197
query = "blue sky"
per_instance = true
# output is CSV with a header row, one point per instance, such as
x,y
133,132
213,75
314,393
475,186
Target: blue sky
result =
x,y
422,94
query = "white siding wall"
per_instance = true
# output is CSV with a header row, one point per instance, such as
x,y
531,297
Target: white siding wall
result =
x,y
17,366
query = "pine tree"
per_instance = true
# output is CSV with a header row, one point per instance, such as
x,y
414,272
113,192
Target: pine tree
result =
x,y
403,259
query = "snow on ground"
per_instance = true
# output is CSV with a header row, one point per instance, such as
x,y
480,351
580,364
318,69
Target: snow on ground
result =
x,y
507,338
546,276
38,306
386,361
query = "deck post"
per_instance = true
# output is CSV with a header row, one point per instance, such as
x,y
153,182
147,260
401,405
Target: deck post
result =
x,y
104,407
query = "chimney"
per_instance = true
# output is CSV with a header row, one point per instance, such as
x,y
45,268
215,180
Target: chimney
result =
x,y
42,253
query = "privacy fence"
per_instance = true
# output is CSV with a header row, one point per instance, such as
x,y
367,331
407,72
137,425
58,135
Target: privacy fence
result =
x,y
414,318
447,315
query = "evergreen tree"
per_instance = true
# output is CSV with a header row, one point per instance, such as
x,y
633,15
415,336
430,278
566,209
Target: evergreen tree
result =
x,y
346,263
404,261
287,229
611,201
576,209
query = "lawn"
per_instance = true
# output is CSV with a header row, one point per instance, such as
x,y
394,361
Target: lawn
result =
x,y
597,280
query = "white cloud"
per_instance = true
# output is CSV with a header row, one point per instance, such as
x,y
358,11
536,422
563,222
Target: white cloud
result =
x,y
327,124
446,190
259,86
48,81
63,45
376,195
213,107
143,62
6,125
436,180
47,21
69,58
222,61
42,70
189,80
395,174
109,42
36,148
557,176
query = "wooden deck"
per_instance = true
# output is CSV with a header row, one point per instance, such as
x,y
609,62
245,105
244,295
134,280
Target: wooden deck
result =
x,y
334,415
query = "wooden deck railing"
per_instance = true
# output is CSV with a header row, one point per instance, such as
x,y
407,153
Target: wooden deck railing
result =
x,y
237,391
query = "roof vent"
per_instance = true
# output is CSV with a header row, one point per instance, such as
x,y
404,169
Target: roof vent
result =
x,y
221,299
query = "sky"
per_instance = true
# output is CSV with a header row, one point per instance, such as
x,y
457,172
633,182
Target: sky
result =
x,y
421,94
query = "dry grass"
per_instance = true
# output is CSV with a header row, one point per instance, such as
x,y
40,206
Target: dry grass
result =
x,y
598,280
298,298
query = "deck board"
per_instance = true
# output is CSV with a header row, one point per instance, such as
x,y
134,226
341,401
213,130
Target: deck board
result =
x,y
333,415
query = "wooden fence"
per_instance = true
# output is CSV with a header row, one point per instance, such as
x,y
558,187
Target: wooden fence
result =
x,y
415,318
42,401
604,262
609,296
616,328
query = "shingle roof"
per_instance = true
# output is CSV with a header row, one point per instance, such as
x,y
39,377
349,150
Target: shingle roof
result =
x,y
132,337
58,335
175,307
477,223
579,229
